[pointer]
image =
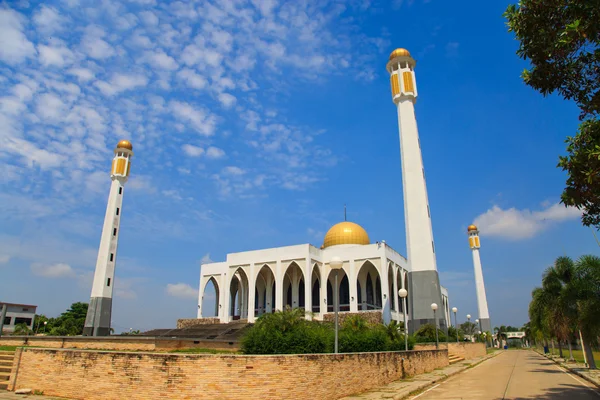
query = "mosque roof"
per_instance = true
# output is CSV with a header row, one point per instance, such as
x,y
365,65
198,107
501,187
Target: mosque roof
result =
x,y
346,233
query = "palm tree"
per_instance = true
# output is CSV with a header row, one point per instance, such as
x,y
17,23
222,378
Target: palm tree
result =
x,y
500,333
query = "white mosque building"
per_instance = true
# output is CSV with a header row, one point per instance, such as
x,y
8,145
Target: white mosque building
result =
x,y
251,283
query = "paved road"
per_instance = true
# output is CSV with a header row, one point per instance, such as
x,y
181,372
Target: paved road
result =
x,y
513,375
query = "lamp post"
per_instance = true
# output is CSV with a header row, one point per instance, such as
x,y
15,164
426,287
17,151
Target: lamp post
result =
x,y
454,310
336,264
403,293
477,323
434,307
45,323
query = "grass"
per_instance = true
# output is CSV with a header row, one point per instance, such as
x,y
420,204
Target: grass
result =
x,y
577,354
8,348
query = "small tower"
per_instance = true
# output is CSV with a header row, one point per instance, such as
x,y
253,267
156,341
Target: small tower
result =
x,y
424,282
484,315
97,321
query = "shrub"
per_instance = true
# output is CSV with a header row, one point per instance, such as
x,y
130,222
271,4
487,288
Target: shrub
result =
x,y
426,334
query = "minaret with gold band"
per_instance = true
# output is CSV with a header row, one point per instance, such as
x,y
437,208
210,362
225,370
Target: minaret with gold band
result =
x,y
424,283
484,315
97,321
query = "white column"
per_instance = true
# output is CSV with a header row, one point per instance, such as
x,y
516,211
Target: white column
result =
x,y
323,298
201,288
308,289
385,295
279,286
395,289
481,297
352,279
251,293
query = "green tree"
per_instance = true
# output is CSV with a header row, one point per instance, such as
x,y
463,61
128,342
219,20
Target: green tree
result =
x,y
426,334
500,332
469,328
22,329
561,40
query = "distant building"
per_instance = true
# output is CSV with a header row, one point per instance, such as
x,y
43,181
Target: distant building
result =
x,y
18,314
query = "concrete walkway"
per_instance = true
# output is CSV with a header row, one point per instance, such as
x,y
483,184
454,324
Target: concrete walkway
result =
x,y
404,388
518,374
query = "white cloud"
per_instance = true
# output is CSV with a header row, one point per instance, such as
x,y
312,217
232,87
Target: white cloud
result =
x,y
231,170
51,107
120,83
227,100
14,45
57,56
149,18
162,60
96,47
4,258
206,259
47,19
201,119
192,79
52,271
192,151
182,290
518,224
214,153
83,74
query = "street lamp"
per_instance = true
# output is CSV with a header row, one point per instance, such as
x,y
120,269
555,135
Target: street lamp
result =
x,y
336,264
403,293
477,323
45,323
454,310
434,307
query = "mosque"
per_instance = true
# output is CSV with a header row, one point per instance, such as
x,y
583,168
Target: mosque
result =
x,y
251,283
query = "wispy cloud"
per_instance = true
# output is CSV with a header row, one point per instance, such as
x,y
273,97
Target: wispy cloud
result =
x,y
515,224
182,290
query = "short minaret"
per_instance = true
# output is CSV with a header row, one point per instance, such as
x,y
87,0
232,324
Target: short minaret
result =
x,y
97,321
424,283
484,315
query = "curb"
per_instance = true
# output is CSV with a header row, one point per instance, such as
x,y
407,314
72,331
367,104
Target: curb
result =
x,y
425,385
579,374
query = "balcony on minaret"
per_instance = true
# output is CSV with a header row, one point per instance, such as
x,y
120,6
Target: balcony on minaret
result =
x,y
402,75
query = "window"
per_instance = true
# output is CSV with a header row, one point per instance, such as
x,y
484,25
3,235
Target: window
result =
x,y
120,190
20,320
7,320
428,213
108,282
423,169
432,247
117,210
111,256
115,232
26,309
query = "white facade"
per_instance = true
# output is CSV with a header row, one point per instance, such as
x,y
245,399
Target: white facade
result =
x,y
18,314
272,279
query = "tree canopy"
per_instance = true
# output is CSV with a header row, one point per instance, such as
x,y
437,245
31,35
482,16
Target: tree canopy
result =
x,y
561,40
69,323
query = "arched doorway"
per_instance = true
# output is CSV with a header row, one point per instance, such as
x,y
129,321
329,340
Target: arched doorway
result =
x,y
293,287
344,291
316,289
238,290
264,301
369,286
210,299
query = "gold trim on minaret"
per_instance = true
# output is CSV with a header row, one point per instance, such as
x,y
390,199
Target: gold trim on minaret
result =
x,y
408,82
395,84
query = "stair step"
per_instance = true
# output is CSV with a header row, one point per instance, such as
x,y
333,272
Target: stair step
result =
x,y
3,385
5,369
4,376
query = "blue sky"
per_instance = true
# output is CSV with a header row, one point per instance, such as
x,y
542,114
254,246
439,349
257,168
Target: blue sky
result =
x,y
252,124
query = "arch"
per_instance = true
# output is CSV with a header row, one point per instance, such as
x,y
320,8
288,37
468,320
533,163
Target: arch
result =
x,y
265,290
293,286
316,289
391,286
238,291
210,295
405,286
369,283
400,286
344,290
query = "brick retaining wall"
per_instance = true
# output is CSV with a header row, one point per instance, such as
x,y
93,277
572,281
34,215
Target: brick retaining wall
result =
x,y
189,322
136,343
462,349
100,375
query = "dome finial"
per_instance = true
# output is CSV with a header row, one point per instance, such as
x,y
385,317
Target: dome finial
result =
x,y
399,52
471,228
125,144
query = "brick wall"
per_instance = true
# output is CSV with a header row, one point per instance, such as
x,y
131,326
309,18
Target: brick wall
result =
x,y
462,349
130,343
91,375
373,317
467,350
186,323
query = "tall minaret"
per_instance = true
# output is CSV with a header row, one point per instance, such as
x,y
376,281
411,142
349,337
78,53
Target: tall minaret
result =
x,y
424,282
97,321
484,315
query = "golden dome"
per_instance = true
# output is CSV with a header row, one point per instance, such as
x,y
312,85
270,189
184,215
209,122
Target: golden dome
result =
x,y
124,144
346,233
399,52
471,228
